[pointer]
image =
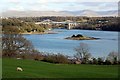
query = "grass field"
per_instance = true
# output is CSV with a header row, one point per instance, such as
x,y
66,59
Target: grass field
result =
x,y
38,69
0,68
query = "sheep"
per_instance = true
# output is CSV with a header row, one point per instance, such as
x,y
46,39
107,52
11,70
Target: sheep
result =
x,y
19,69
18,58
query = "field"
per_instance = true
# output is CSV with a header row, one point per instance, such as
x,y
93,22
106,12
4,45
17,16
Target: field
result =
x,y
0,68
38,69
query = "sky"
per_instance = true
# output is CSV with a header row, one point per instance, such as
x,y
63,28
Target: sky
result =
x,y
58,5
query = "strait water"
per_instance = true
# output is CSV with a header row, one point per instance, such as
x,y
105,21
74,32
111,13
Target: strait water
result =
x,y
55,43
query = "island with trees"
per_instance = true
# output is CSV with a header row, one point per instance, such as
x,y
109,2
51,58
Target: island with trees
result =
x,y
81,37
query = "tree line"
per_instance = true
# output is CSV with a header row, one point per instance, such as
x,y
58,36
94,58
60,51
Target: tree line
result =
x,y
89,23
22,26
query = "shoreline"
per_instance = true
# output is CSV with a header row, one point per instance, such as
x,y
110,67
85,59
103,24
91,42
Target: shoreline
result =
x,y
52,32
40,33
89,38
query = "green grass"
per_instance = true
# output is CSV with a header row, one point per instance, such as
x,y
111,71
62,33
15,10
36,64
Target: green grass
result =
x,y
0,68
38,69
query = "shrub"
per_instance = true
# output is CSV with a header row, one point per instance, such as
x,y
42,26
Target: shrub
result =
x,y
100,61
56,58
37,56
107,62
95,61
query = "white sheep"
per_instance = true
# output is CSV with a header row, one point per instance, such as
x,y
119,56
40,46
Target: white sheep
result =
x,y
18,58
19,69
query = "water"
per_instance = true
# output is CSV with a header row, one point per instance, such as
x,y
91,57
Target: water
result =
x,y
56,43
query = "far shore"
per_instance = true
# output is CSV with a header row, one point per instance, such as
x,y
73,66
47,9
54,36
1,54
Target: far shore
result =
x,y
48,32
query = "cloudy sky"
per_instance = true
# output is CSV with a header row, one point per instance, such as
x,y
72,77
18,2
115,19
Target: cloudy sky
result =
x,y
58,5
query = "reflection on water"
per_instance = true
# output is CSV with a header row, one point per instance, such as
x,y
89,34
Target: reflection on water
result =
x,y
57,44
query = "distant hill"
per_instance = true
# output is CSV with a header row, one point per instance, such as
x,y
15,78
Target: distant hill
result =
x,y
91,13
88,13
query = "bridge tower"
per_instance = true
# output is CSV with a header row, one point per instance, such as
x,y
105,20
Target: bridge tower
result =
x,y
70,24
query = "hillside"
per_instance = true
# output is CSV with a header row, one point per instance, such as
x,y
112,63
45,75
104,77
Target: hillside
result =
x,y
38,69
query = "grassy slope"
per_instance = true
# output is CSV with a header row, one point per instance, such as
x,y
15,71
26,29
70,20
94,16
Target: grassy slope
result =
x,y
0,68
37,69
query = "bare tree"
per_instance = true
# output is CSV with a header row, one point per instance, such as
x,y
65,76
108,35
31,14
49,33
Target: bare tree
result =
x,y
82,52
113,57
14,43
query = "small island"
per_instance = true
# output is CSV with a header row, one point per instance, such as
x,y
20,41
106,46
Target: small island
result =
x,y
81,37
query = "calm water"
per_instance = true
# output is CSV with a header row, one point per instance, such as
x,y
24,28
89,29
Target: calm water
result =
x,y
57,44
